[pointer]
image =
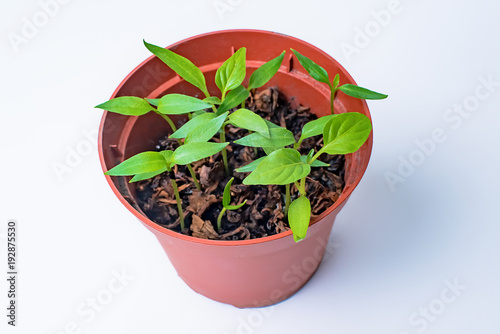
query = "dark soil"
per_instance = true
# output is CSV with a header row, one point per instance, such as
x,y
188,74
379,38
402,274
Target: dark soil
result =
x,y
263,214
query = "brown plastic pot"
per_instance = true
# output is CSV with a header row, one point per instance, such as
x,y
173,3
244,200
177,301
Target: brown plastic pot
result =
x,y
249,273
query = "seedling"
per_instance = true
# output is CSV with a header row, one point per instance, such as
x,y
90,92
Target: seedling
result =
x,y
342,134
146,165
203,125
171,104
264,73
226,201
228,78
195,147
319,73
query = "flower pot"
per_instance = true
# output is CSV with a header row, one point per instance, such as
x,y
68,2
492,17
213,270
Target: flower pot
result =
x,y
248,273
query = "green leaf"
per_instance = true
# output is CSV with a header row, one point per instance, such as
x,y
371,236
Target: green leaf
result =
x,y
265,72
192,124
226,196
205,131
271,125
281,167
299,216
145,176
246,119
127,105
235,207
233,99
345,133
315,127
310,155
144,162
314,70
182,66
361,93
336,80
212,100
316,163
178,104
168,155
192,152
232,72
251,166
153,101
278,137
269,150
198,113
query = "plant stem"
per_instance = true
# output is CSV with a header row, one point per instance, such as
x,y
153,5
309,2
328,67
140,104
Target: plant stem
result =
x,y
224,151
178,199
243,104
332,97
316,156
303,187
174,128
287,199
296,145
169,121
219,219
207,94
193,175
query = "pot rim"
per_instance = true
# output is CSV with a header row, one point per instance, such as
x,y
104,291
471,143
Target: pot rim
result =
x,y
346,192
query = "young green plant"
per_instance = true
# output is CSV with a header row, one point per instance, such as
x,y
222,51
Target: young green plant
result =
x,y
264,73
192,74
342,134
228,78
320,74
202,124
226,203
148,164
170,104
236,65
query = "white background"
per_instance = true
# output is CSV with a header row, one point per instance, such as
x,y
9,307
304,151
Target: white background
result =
x,y
395,247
